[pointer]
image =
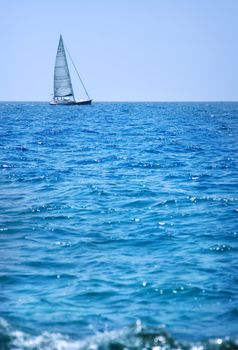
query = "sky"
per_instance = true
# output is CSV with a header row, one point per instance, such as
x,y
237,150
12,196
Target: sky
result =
x,y
125,50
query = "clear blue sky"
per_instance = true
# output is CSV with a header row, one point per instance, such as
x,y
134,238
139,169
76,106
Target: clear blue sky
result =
x,y
125,50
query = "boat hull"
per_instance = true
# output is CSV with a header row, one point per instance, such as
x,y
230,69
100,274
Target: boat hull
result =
x,y
70,103
85,102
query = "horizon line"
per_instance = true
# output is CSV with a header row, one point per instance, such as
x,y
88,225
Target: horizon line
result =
x,y
128,101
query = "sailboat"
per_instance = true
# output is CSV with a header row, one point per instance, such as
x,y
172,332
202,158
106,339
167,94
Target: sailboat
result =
x,y
63,89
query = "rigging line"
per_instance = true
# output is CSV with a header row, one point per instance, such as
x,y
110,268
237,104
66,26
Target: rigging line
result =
x,y
77,72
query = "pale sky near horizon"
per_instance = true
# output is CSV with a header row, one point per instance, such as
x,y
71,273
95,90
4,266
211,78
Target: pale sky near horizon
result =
x,y
127,50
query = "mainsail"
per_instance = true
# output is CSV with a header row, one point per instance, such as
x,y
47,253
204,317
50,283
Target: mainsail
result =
x,y
62,81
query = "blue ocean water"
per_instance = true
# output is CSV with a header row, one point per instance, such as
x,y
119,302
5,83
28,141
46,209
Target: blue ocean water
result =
x,y
119,226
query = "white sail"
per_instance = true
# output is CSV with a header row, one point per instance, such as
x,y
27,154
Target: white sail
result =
x,y
62,81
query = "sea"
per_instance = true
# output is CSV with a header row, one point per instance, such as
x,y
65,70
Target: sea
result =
x,y
119,226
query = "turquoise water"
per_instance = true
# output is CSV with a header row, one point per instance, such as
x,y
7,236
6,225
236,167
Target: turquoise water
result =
x,y
119,226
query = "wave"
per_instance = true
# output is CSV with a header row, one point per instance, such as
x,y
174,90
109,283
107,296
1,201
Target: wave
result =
x,y
137,337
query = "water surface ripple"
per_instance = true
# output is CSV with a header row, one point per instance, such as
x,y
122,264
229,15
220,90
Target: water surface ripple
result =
x,y
118,214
